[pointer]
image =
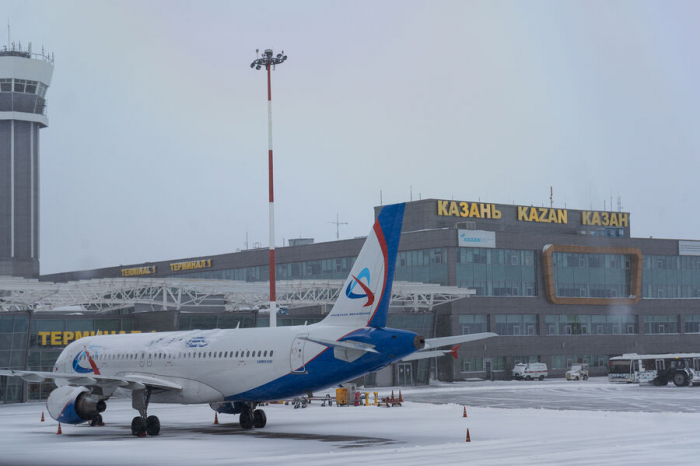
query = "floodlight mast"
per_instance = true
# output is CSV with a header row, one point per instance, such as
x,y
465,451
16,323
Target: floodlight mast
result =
x,y
269,61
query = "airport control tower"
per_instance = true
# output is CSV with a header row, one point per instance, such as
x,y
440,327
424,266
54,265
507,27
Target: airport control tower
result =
x,y
24,79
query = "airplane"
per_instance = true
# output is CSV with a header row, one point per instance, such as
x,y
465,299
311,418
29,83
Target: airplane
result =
x,y
235,370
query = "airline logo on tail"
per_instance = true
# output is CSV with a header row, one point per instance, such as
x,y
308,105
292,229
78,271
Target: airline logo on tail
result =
x,y
357,280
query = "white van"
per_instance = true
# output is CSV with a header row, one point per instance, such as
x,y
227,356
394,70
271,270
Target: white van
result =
x,y
530,371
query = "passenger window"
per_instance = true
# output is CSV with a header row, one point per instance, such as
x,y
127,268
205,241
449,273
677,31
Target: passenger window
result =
x,y
247,354
236,353
259,353
265,353
270,353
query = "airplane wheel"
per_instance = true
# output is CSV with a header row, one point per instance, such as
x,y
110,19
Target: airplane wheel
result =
x,y
246,419
259,419
96,420
138,426
152,426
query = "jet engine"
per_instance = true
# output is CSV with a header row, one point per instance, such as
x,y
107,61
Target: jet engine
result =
x,y
73,405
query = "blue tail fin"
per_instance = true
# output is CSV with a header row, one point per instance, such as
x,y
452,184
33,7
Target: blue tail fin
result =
x,y
364,298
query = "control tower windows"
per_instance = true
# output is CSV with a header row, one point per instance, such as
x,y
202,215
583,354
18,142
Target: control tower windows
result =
x,y
6,85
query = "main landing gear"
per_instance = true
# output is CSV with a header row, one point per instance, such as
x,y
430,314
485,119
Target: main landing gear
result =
x,y
251,417
144,424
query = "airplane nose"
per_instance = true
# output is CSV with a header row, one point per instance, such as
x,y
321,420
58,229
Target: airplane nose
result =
x,y
419,342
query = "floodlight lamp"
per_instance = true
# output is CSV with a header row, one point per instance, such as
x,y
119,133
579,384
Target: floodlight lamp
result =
x,y
284,58
257,67
279,55
252,65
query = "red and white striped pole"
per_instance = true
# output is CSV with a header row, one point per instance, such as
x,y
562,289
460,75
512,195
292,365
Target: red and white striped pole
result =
x,y
273,292
268,60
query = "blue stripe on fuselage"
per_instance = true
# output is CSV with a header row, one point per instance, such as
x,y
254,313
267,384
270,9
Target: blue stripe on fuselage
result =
x,y
325,370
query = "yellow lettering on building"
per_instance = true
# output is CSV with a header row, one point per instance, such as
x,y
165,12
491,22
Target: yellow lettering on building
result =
x,y
458,209
623,220
58,338
522,213
542,215
606,219
190,265
442,208
135,271
474,211
43,336
613,220
533,215
453,209
562,216
464,209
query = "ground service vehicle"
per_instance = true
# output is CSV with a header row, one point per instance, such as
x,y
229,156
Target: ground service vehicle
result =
x,y
682,369
530,371
577,372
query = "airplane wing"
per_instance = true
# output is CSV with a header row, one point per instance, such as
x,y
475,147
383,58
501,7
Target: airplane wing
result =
x,y
444,341
353,345
130,381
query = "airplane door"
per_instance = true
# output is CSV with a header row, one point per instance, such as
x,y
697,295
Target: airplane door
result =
x,y
296,355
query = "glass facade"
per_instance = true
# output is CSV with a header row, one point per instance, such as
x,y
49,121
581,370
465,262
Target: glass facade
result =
x,y
472,364
209,321
328,269
422,324
578,324
565,361
524,359
473,323
516,325
582,275
655,324
423,266
692,323
13,353
497,272
671,276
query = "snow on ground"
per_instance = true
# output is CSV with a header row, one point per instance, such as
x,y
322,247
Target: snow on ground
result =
x,y
521,430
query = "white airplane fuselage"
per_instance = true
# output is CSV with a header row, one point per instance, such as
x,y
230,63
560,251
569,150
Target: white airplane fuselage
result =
x,y
235,364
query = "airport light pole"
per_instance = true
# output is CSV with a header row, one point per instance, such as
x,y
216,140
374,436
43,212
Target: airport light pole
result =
x,y
269,61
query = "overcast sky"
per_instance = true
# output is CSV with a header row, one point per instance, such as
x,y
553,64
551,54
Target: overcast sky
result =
x,y
157,141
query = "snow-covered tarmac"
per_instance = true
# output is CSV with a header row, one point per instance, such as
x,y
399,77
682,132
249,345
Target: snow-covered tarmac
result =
x,y
520,430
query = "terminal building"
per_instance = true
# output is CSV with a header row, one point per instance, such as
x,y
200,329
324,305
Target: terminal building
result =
x,y
558,286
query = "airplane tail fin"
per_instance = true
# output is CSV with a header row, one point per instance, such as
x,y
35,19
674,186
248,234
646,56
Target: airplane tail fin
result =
x,y
364,298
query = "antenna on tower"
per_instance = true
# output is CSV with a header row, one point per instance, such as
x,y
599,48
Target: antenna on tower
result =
x,y
337,226
551,197
619,202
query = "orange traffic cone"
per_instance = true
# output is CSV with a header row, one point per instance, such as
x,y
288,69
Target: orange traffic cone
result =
x,y
216,418
392,395
468,438
465,412
42,416
400,397
59,429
